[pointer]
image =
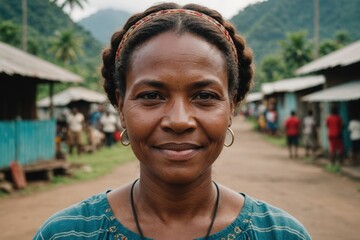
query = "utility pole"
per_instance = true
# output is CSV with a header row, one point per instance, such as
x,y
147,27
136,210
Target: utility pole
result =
x,y
316,29
24,25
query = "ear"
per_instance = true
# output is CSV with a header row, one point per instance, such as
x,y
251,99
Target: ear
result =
x,y
120,105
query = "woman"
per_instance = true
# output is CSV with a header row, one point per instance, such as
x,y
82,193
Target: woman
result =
x,y
175,74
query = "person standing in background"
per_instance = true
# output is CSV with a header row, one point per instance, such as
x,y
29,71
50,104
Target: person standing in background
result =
x,y
334,125
108,123
271,119
354,128
292,126
75,122
95,115
309,134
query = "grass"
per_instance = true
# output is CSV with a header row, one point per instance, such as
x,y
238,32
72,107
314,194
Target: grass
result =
x,y
333,168
253,122
101,162
276,140
92,166
309,159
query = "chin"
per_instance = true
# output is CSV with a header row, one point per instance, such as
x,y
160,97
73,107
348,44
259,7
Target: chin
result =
x,y
183,177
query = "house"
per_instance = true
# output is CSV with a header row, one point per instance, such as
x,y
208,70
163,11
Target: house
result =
x,y
78,97
286,95
341,69
22,136
253,101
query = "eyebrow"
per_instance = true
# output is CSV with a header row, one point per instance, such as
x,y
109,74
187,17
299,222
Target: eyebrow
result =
x,y
161,85
151,83
204,83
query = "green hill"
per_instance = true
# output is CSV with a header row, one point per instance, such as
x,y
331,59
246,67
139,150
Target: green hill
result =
x,y
265,23
104,23
45,19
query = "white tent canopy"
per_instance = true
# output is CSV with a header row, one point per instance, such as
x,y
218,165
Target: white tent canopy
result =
x,y
73,94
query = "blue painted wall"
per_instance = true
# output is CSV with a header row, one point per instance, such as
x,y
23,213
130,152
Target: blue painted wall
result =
x,y
27,141
344,114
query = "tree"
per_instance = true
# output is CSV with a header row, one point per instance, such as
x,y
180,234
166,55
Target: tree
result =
x,y
296,51
10,33
24,25
272,68
66,46
71,4
342,38
328,46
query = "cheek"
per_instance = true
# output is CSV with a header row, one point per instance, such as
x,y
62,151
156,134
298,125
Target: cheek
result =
x,y
140,124
215,124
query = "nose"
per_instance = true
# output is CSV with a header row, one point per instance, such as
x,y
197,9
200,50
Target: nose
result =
x,y
179,117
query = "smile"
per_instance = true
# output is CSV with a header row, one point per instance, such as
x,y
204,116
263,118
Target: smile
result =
x,y
178,152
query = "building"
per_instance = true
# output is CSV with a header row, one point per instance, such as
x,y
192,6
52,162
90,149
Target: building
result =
x,y
286,95
23,137
78,97
341,69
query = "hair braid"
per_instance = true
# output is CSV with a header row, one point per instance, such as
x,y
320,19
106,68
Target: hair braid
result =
x,y
245,66
240,72
245,55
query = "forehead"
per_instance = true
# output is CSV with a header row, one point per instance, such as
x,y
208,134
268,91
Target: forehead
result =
x,y
178,51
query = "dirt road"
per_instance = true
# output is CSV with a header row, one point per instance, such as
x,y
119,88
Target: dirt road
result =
x,y
327,204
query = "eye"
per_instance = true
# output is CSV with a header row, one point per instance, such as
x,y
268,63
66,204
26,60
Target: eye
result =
x,y
150,96
206,96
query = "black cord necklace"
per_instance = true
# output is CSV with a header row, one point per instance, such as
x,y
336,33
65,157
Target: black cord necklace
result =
x,y
137,220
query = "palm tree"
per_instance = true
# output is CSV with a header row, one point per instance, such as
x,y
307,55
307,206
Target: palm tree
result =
x,y
71,3
66,46
296,50
24,25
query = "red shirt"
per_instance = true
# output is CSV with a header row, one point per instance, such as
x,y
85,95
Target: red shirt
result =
x,y
292,126
334,125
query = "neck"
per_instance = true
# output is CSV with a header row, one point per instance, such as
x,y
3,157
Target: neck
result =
x,y
174,201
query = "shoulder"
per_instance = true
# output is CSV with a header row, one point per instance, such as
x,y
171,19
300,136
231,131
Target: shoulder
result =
x,y
84,219
270,222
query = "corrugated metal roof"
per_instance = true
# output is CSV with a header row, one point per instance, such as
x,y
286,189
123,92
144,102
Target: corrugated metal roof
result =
x,y
73,94
292,84
344,92
343,57
14,61
253,97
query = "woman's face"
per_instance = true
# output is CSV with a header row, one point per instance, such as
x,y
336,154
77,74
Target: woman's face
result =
x,y
176,108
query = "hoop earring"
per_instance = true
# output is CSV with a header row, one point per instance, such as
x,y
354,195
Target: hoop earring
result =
x,y
232,137
124,138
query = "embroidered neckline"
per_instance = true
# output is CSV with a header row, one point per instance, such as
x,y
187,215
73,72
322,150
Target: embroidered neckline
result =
x,y
238,227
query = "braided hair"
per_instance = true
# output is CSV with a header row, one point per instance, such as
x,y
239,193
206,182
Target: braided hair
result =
x,y
239,71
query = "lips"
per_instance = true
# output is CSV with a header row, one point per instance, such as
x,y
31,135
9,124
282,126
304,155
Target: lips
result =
x,y
178,151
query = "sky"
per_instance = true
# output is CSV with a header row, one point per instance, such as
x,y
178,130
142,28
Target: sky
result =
x,y
228,8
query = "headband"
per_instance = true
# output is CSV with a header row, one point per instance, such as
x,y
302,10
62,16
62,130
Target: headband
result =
x,y
152,16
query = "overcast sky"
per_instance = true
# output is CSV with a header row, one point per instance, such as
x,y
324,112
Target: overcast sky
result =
x,y
227,8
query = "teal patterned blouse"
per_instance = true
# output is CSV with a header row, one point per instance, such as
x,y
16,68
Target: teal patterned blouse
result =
x,y
93,219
